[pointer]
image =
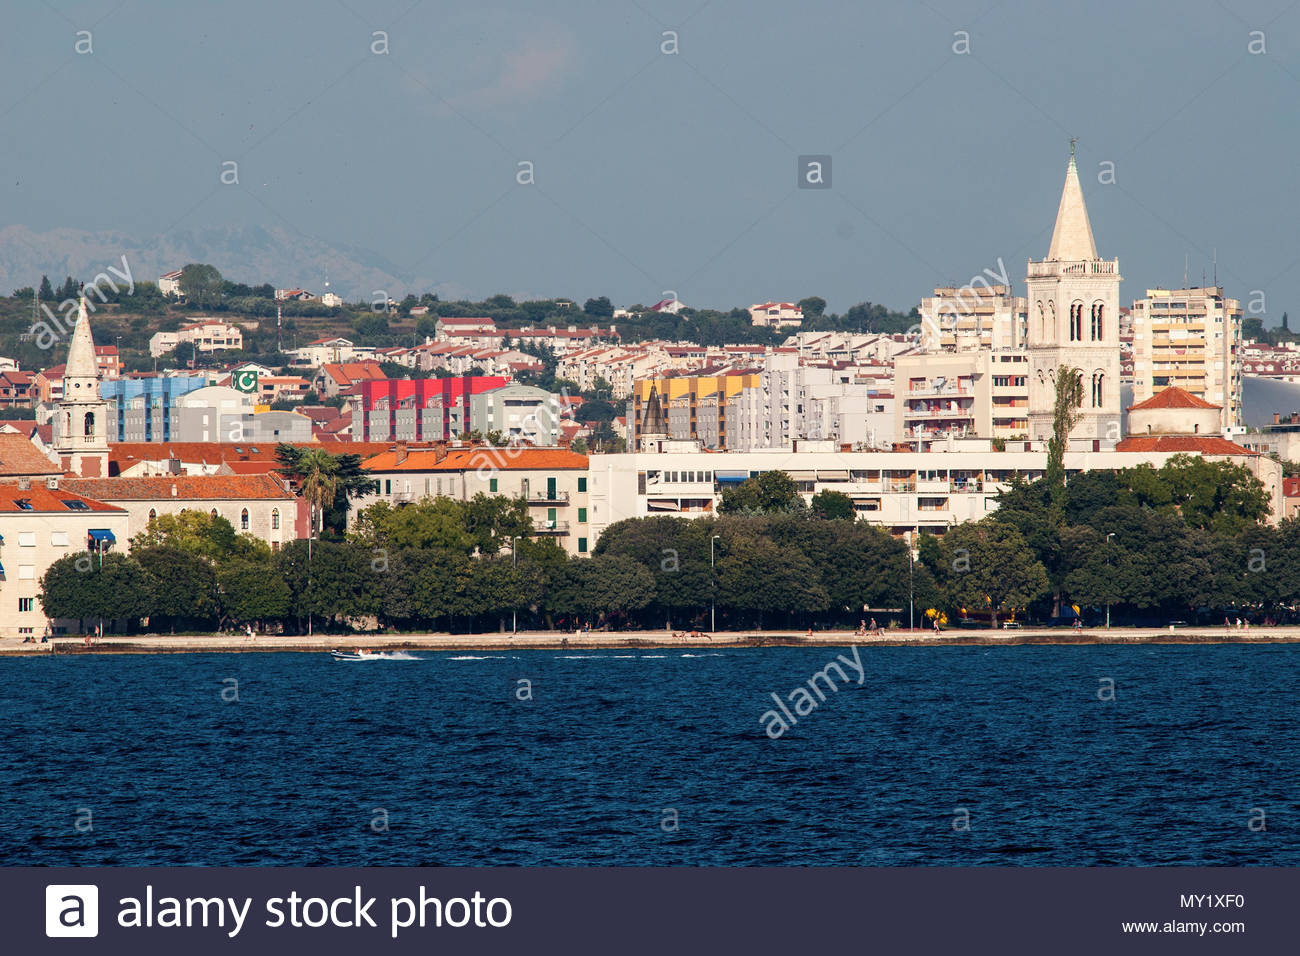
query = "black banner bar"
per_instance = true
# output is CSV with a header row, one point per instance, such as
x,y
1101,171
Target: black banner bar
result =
x,y
659,911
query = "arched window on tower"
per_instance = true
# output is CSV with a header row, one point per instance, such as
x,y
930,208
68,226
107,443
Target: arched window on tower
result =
x,y
1097,316
67,425
1042,324
275,519
89,425
1076,322
1098,389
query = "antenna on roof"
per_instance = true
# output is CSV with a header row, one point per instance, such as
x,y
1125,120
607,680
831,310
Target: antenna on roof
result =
x,y
1216,267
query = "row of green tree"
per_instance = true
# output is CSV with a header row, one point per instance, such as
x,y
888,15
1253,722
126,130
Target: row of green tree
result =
x,y
1149,543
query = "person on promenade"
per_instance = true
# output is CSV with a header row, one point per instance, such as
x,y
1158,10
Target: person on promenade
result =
x,y
875,628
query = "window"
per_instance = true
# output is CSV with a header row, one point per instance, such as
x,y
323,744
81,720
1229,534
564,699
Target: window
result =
x,y
27,539
582,515
492,485
388,486
243,520
214,512
550,517
59,539
582,485
582,547
90,425
74,505
25,604
275,519
1076,322
152,514
1098,389
1096,328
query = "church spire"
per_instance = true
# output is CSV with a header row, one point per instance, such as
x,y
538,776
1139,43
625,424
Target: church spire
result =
x,y
1072,237
81,353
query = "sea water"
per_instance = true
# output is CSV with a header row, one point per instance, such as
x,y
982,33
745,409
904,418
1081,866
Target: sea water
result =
x,y
1021,755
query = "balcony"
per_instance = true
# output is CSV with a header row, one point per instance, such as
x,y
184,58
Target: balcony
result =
x,y
546,498
939,413
937,392
551,527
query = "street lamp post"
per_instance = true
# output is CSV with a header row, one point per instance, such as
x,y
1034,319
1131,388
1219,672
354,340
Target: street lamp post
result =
x,y
713,588
1108,537
910,589
514,562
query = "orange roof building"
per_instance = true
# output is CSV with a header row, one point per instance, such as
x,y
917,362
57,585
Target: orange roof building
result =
x,y
553,481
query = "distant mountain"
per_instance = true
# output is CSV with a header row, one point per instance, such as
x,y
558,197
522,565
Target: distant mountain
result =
x,y
250,254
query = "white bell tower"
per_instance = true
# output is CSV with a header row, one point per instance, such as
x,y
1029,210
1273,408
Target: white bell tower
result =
x,y
1074,322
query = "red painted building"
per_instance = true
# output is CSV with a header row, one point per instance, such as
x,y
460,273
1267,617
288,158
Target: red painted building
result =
x,y
417,409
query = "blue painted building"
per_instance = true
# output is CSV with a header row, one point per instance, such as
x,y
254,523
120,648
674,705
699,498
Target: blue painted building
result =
x,y
142,407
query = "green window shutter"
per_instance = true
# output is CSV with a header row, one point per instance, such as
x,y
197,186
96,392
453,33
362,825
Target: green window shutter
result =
x,y
582,545
582,516
492,485
582,485
550,516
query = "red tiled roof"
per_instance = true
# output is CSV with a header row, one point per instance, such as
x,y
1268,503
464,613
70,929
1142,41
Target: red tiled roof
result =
x,y
1205,445
345,373
19,457
123,455
1172,397
47,500
190,487
469,459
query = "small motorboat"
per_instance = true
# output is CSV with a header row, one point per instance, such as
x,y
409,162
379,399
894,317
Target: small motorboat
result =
x,y
360,655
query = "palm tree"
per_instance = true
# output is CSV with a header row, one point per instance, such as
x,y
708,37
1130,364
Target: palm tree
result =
x,y
322,478
319,483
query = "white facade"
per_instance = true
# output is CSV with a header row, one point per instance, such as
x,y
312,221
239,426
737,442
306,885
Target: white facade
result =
x,y
1190,338
901,491
208,335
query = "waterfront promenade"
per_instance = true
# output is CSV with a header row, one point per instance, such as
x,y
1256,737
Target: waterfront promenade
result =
x,y
596,640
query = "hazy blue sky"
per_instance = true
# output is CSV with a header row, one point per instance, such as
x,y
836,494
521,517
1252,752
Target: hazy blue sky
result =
x,y
657,172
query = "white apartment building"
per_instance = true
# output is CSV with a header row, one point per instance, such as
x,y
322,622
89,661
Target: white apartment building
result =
x,y
40,522
971,393
775,315
336,349
955,481
973,317
1190,338
206,335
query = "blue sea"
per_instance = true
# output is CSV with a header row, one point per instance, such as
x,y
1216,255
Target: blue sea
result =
x,y
941,756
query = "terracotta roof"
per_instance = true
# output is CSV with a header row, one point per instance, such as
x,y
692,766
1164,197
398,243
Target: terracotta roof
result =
x,y
47,500
1291,487
122,455
469,459
19,457
345,373
1172,397
190,487
1205,445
